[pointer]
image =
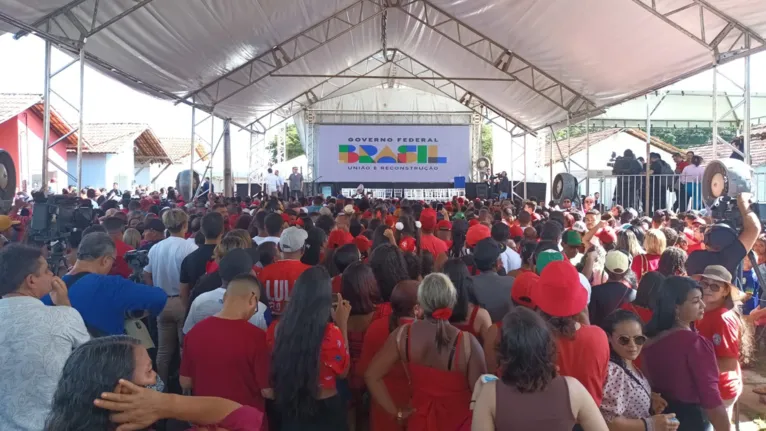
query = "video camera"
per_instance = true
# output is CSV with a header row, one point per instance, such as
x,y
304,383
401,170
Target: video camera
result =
x,y
54,219
137,260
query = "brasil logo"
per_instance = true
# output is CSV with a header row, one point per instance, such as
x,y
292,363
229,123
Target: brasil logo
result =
x,y
372,154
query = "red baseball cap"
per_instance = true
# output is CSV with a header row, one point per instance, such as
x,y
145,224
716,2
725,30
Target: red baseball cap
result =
x,y
606,236
285,217
407,244
444,225
390,221
476,233
521,291
428,219
473,222
559,293
338,238
362,243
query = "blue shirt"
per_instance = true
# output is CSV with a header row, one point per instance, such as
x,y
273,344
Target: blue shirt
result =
x,y
103,300
750,285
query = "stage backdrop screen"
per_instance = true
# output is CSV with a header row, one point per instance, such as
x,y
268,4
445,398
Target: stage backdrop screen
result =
x,y
380,153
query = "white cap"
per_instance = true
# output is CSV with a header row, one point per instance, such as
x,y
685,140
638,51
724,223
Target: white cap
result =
x,y
617,262
292,239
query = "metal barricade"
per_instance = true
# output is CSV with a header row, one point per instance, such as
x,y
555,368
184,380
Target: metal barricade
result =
x,y
759,182
428,195
675,192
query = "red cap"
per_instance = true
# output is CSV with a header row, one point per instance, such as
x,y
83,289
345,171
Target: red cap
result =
x,y
338,238
390,221
559,293
362,243
607,236
428,219
367,214
299,222
476,233
444,225
407,244
521,291
285,218
448,206
516,231
461,200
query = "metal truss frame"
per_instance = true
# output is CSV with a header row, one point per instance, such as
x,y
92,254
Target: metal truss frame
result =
x,y
727,44
294,48
497,55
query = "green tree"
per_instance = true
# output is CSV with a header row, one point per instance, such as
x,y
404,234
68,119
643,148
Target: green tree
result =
x,y
293,148
486,140
680,137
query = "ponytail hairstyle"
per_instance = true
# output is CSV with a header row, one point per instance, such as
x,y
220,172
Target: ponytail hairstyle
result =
x,y
437,297
459,231
404,298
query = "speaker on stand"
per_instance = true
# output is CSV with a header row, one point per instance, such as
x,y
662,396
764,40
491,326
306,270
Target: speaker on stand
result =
x,y
565,187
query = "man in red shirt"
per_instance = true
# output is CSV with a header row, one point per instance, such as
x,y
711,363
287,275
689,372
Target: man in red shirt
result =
x,y
114,227
429,242
214,366
279,278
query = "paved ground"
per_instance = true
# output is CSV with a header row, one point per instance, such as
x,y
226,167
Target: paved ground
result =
x,y
752,408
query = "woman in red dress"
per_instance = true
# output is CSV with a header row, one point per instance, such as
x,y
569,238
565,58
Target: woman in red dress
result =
x,y
309,355
359,288
387,263
443,364
467,315
405,309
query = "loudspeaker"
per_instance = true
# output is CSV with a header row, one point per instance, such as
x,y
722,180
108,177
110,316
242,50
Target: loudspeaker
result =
x,y
482,191
725,178
564,187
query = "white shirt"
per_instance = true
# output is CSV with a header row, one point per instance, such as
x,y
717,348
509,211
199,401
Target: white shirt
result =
x,y
210,303
511,260
261,239
272,183
585,283
692,174
165,259
36,341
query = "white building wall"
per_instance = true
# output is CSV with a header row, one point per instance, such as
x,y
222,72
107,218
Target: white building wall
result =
x,y
93,169
120,169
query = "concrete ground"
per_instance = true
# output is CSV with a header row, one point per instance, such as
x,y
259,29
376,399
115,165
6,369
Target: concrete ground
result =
x,y
752,407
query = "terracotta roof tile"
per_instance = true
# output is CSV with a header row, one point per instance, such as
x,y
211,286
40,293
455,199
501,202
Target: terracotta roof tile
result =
x,y
114,138
757,148
12,104
579,143
178,148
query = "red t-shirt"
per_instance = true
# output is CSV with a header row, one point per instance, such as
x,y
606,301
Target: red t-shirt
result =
x,y
278,279
120,266
337,284
721,326
432,244
645,263
585,358
333,355
222,368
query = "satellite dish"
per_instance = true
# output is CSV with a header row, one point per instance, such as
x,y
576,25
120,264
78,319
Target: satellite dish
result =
x,y
7,176
725,178
482,164
564,187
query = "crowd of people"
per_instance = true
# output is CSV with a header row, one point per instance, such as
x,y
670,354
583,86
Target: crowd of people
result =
x,y
331,313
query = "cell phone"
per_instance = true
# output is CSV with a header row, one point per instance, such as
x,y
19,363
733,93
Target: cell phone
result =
x,y
335,300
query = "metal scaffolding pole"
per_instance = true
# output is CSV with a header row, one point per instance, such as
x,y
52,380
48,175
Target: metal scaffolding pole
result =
x,y
550,162
250,165
46,115
648,150
569,145
746,128
587,156
715,112
192,153
81,127
513,171
227,180
525,165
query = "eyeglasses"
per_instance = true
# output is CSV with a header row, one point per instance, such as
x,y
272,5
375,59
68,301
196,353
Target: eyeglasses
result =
x,y
638,339
711,286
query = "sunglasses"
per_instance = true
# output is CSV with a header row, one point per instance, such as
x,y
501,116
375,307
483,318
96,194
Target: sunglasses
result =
x,y
711,286
638,339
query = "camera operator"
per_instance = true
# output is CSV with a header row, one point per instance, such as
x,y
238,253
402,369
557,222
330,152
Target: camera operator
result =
x,y
723,246
104,300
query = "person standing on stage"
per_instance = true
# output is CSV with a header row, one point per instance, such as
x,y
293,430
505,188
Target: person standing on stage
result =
x,y
296,183
272,183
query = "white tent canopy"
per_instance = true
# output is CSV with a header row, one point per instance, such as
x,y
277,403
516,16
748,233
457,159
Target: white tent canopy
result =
x,y
531,62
